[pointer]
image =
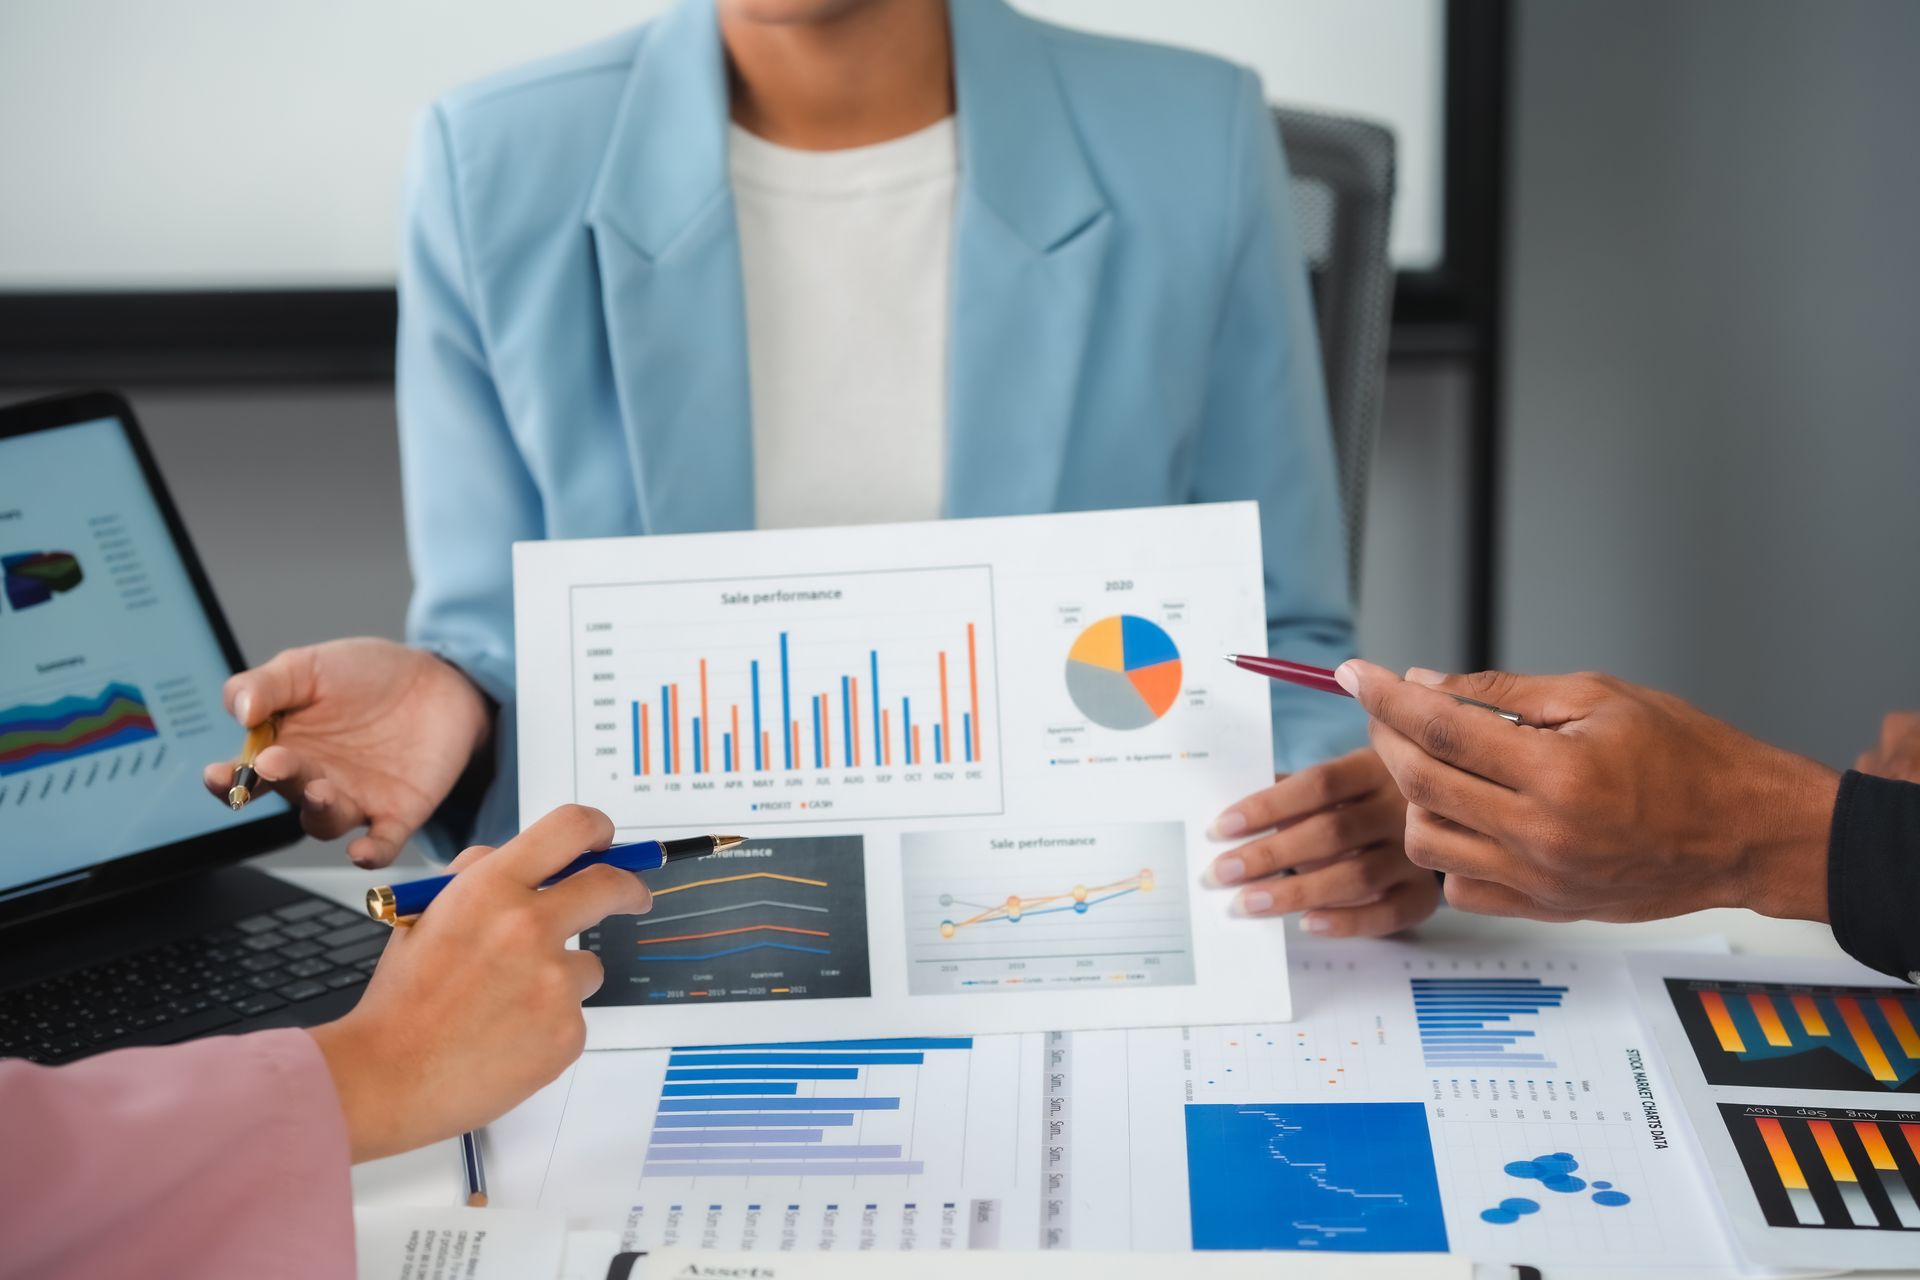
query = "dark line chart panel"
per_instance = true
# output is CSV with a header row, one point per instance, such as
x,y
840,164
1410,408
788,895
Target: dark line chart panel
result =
x,y
771,920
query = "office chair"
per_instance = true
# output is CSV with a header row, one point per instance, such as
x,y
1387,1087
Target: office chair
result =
x,y
1342,173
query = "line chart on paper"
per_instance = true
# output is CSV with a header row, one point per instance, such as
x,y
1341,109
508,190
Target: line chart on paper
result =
x,y
1098,907
1080,899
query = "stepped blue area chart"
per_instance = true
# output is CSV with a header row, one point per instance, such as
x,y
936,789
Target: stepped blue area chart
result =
x,y
834,697
1815,1167
1322,1176
32,578
1045,910
1777,1036
771,920
1484,1023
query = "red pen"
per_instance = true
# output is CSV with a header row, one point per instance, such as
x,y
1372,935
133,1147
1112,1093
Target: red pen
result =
x,y
1322,679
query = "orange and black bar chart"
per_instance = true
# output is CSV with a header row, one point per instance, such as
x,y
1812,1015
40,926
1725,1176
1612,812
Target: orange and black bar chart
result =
x,y
1778,1036
1844,1168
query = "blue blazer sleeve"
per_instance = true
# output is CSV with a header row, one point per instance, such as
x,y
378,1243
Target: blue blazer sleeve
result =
x,y
468,493
1265,435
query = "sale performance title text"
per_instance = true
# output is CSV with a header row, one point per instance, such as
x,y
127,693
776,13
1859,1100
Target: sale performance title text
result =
x,y
778,595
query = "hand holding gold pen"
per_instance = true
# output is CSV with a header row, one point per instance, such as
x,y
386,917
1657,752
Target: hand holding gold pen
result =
x,y
245,780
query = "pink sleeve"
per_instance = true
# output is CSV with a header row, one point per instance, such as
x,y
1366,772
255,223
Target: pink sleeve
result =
x,y
222,1157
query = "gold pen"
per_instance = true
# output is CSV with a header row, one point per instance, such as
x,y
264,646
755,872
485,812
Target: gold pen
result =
x,y
259,738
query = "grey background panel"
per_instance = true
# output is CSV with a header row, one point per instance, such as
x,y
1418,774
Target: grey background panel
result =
x,y
1712,439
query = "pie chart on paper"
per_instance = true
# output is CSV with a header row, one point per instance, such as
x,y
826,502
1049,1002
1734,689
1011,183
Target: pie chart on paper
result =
x,y
1123,672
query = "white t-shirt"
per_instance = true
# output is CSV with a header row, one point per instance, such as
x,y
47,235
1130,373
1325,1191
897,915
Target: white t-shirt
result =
x,y
846,258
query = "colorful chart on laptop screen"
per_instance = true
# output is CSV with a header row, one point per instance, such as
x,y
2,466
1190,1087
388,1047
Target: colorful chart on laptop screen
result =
x,y
36,736
33,577
1123,672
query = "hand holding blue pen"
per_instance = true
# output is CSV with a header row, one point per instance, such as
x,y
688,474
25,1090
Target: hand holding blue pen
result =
x,y
479,1004
399,904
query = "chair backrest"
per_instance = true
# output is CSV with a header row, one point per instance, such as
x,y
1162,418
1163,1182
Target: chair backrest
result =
x,y
1342,173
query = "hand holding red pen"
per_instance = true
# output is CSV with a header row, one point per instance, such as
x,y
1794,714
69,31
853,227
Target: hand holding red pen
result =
x,y
1611,801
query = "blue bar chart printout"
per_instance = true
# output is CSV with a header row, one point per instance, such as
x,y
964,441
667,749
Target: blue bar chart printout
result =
x,y
790,1110
1483,1023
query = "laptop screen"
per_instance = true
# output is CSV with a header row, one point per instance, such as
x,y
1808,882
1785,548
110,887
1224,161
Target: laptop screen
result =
x,y
110,671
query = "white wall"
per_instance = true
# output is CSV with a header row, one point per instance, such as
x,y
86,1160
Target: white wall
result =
x,y
211,143
1712,436
1383,60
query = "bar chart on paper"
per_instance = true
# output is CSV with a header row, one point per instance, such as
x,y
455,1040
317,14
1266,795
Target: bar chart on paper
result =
x,y
1485,1023
1850,1169
894,1143
1779,1036
825,697
801,1109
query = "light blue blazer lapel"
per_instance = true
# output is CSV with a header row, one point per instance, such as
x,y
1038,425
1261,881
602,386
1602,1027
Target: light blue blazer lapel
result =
x,y
668,256
1030,236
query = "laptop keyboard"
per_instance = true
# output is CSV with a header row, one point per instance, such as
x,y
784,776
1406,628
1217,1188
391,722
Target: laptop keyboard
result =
x,y
193,986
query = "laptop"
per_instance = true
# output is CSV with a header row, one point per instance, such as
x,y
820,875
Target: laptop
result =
x,y
125,915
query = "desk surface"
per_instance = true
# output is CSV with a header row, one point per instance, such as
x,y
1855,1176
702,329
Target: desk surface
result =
x,y
431,1176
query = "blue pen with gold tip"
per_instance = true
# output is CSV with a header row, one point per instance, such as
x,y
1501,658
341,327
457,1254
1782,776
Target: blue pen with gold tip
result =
x,y
402,903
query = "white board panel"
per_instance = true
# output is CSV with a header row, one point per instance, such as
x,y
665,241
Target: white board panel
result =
x,y
259,143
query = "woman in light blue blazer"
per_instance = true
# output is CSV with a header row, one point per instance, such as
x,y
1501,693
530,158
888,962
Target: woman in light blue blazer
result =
x,y
586,271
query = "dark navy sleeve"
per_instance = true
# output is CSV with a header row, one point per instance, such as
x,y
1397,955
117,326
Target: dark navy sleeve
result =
x,y
1873,873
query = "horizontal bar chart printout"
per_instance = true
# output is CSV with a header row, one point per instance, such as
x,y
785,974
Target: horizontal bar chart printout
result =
x,y
1483,1023
799,1132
